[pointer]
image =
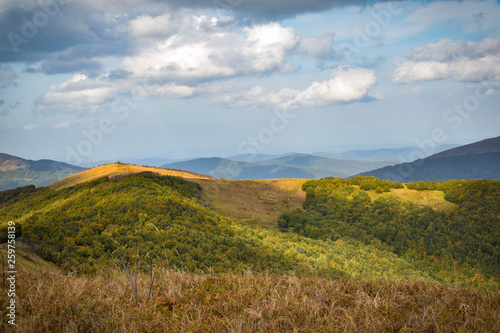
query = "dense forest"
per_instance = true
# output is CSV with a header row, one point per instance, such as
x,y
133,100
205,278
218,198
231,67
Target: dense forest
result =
x,y
466,237
341,232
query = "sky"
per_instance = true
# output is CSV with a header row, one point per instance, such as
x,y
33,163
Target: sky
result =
x,y
88,80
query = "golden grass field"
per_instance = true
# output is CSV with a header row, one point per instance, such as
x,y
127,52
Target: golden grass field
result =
x,y
49,300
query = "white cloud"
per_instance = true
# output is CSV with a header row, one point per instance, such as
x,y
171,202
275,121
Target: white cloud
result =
x,y
204,47
347,85
81,93
30,127
176,55
78,93
447,59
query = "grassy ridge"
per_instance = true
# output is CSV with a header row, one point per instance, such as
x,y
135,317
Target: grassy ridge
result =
x,y
117,170
51,301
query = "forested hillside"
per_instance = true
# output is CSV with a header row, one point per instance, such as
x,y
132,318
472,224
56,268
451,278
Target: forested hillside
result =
x,y
467,236
165,219
148,252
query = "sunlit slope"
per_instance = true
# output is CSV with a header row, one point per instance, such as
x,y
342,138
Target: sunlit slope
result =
x,y
433,199
253,202
261,202
115,171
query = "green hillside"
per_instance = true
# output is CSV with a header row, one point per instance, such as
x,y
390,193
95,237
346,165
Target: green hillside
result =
x,y
83,227
171,221
140,251
467,235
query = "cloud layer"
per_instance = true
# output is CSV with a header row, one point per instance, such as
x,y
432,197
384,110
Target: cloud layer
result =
x,y
447,59
348,84
183,55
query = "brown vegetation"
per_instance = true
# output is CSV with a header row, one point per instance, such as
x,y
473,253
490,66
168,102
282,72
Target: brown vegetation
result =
x,y
50,301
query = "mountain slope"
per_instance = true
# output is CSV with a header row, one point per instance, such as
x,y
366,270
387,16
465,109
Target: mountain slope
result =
x,y
479,160
16,171
292,166
481,147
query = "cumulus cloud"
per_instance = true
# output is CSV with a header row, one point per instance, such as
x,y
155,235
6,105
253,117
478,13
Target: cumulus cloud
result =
x,y
181,57
205,48
76,94
348,84
84,94
447,59
64,30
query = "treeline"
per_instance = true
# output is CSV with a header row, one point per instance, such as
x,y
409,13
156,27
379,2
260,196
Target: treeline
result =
x,y
469,236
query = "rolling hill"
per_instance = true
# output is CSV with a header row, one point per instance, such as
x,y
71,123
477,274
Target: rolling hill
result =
x,y
118,170
16,171
479,160
291,166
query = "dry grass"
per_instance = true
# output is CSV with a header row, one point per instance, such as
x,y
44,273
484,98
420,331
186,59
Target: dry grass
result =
x,y
117,170
434,199
254,202
50,301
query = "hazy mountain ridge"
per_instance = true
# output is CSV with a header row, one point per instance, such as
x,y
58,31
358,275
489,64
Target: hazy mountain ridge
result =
x,y
291,166
380,155
16,171
479,160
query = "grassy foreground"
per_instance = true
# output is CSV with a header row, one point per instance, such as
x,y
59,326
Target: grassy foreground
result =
x,y
50,301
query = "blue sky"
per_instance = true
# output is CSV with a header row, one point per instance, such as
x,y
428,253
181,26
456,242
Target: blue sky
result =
x,y
91,80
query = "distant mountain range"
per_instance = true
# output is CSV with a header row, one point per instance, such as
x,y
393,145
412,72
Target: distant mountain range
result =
x,y
16,172
292,166
382,155
479,160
